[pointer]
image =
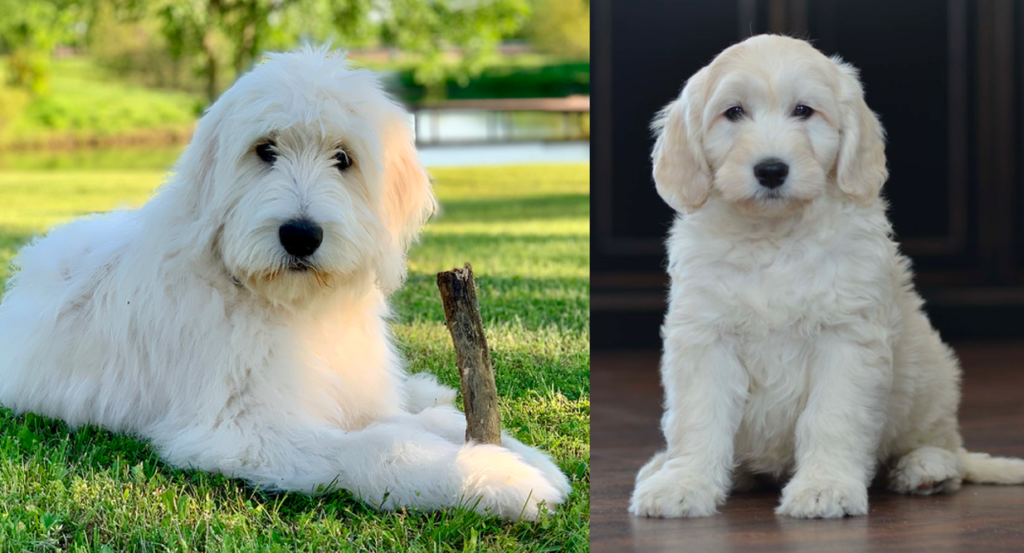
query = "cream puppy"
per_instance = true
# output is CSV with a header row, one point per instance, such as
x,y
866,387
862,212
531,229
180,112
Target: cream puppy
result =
x,y
795,345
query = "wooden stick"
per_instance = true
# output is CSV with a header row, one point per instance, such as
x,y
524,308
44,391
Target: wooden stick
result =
x,y
479,394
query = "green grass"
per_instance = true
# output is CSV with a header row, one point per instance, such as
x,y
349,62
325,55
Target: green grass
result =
x,y
526,231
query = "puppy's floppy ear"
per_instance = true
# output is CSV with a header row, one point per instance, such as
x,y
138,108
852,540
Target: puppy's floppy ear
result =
x,y
681,172
860,168
195,170
408,201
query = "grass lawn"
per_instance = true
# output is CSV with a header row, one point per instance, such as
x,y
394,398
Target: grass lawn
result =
x,y
526,231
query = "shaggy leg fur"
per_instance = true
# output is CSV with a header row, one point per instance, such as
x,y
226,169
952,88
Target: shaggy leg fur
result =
x,y
705,387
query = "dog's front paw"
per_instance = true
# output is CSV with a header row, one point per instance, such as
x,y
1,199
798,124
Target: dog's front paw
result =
x,y
498,482
673,493
819,498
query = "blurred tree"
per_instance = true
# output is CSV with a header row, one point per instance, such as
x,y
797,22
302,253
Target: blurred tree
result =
x,y
133,47
30,31
230,34
561,27
426,29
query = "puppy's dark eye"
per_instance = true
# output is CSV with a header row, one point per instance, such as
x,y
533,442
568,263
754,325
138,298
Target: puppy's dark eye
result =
x,y
344,162
267,152
802,111
734,113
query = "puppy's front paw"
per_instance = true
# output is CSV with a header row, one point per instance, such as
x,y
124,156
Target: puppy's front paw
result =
x,y
672,493
498,482
819,498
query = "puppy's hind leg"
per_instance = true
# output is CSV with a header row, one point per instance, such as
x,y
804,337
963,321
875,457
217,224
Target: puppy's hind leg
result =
x,y
925,471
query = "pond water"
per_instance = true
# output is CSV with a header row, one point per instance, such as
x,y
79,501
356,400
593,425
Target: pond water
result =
x,y
473,126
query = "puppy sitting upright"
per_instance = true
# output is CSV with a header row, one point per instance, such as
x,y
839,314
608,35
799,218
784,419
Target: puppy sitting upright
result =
x,y
795,344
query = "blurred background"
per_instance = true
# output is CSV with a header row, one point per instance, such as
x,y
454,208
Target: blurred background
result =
x,y
946,78
120,72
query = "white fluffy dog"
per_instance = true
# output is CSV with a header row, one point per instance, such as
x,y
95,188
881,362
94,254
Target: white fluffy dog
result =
x,y
794,343
238,320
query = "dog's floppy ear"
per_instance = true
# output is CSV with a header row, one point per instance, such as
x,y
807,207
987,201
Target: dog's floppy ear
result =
x,y
681,173
860,168
408,201
194,172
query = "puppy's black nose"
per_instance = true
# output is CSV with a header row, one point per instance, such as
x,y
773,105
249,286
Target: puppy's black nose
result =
x,y
301,237
771,173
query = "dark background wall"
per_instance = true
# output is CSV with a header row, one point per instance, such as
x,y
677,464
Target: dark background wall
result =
x,y
946,78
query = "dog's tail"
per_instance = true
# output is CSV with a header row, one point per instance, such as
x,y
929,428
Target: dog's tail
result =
x,y
982,468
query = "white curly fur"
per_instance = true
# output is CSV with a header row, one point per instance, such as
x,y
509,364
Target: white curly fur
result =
x,y
187,324
794,343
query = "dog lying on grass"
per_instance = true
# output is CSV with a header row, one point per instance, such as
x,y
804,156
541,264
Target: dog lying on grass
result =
x,y
238,320
795,345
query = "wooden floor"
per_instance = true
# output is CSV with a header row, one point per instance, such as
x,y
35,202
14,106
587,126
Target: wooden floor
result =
x,y
626,398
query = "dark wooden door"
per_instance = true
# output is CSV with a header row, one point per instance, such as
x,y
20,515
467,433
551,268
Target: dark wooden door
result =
x,y
946,78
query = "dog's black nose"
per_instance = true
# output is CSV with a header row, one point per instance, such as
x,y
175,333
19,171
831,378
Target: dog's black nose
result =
x,y
301,237
771,173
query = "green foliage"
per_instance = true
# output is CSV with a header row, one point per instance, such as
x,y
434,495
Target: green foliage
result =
x,y
561,27
29,31
133,48
526,231
12,102
508,79
425,29
83,103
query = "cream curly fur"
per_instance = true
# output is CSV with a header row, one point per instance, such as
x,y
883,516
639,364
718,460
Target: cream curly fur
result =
x,y
794,344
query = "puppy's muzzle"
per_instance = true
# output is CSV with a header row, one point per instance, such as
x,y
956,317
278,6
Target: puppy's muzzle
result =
x,y
301,237
771,173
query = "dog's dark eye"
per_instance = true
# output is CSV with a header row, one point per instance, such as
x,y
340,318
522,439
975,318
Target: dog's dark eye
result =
x,y
734,113
344,162
267,152
802,111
